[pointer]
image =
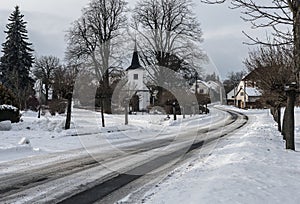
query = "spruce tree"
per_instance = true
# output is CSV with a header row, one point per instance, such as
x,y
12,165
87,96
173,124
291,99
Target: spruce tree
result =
x,y
17,59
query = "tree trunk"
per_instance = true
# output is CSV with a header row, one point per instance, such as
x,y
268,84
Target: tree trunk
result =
x,y
279,118
296,29
291,95
47,94
126,112
39,111
174,112
108,94
102,112
69,109
284,124
272,110
107,105
289,120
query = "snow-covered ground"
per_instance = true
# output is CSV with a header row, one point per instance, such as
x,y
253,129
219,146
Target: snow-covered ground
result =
x,y
250,166
47,135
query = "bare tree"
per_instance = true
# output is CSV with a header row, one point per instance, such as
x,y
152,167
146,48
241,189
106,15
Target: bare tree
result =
x,y
44,69
270,66
233,79
283,16
168,28
94,38
169,36
64,80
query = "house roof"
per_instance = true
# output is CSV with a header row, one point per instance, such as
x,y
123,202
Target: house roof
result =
x,y
213,85
135,63
250,91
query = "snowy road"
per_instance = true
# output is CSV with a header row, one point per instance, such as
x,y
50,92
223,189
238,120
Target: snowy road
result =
x,y
75,175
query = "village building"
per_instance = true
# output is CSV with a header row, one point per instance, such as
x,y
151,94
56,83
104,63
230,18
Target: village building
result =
x,y
213,89
136,74
245,95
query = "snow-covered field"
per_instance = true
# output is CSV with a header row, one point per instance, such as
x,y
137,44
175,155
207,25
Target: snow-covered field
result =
x,y
250,166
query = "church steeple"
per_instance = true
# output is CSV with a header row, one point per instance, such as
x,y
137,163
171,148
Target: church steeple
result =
x,y
135,63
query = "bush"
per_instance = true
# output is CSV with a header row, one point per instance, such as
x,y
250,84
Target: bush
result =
x,y
8,112
57,106
7,96
32,103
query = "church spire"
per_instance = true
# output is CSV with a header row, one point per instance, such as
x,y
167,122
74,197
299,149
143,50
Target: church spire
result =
x,y
135,63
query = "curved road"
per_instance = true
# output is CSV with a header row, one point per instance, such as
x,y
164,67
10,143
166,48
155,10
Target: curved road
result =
x,y
79,178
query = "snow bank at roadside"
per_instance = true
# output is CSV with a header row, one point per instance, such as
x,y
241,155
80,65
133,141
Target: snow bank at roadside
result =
x,y
251,166
13,152
47,133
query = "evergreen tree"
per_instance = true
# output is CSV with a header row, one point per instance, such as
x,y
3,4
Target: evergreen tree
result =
x,y
17,59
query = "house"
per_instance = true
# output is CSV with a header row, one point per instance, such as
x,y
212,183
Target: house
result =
x,y
136,81
211,88
245,95
200,87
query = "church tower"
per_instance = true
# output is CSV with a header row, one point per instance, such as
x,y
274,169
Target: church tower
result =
x,y
136,80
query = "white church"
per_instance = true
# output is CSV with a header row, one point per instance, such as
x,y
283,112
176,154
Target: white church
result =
x,y
136,81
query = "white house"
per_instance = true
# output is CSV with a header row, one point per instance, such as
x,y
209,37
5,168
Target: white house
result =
x,y
211,88
200,87
245,95
136,81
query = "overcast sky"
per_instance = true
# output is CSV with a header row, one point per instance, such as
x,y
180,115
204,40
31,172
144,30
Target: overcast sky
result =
x,y
48,21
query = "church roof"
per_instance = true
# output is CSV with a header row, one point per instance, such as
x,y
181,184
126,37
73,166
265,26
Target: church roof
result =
x,y
135,63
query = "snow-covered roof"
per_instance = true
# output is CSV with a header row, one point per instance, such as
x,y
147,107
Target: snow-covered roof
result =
x,y
209,84
213,85
203,82
250,91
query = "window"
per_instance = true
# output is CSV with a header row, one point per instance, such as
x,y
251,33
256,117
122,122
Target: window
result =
x,y
135,76
242,94
201,91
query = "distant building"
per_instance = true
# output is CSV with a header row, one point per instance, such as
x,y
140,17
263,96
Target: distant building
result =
x,y
200,87
211,88
245,95
136,82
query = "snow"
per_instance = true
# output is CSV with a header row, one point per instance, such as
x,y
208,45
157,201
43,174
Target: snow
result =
x,y
47,135
23,141
250,166
253,92
5,125
8,107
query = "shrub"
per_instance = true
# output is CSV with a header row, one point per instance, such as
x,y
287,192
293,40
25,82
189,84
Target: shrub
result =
x,y
57,106
32,103
8,112
7,96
